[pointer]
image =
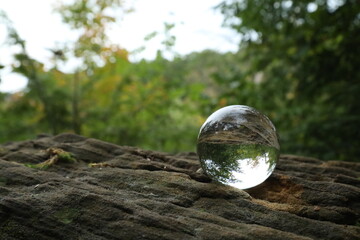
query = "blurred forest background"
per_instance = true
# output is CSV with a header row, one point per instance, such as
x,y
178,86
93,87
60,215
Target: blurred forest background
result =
x,y
298,63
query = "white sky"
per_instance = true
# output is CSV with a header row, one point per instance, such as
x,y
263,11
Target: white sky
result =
x,y
198,27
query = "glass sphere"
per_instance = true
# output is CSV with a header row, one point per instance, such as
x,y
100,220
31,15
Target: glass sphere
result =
x,y
238,146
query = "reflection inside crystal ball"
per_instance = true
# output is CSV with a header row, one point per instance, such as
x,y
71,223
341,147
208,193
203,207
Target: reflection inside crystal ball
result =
x,y
238,146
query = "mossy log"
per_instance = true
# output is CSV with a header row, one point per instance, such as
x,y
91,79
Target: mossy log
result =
x,y
119,192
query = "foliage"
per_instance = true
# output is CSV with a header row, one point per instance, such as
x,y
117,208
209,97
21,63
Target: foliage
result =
x,y
301,61
297,64
148,103
221,161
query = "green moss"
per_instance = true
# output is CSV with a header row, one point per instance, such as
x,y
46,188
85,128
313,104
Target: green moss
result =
x,y
56,155
36,166
67,215
66,157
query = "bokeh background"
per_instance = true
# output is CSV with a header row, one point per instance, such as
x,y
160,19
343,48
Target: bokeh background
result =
x,y
298,62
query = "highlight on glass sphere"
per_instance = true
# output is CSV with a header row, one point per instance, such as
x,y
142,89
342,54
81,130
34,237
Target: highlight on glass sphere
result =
x,y
238,146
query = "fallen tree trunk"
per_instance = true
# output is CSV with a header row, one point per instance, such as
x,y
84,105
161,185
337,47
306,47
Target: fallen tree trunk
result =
x,y
118,192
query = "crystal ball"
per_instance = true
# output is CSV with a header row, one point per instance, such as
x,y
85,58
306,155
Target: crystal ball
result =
x,y
238,146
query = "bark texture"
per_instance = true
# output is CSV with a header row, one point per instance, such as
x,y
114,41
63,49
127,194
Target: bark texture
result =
x,y
131,193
